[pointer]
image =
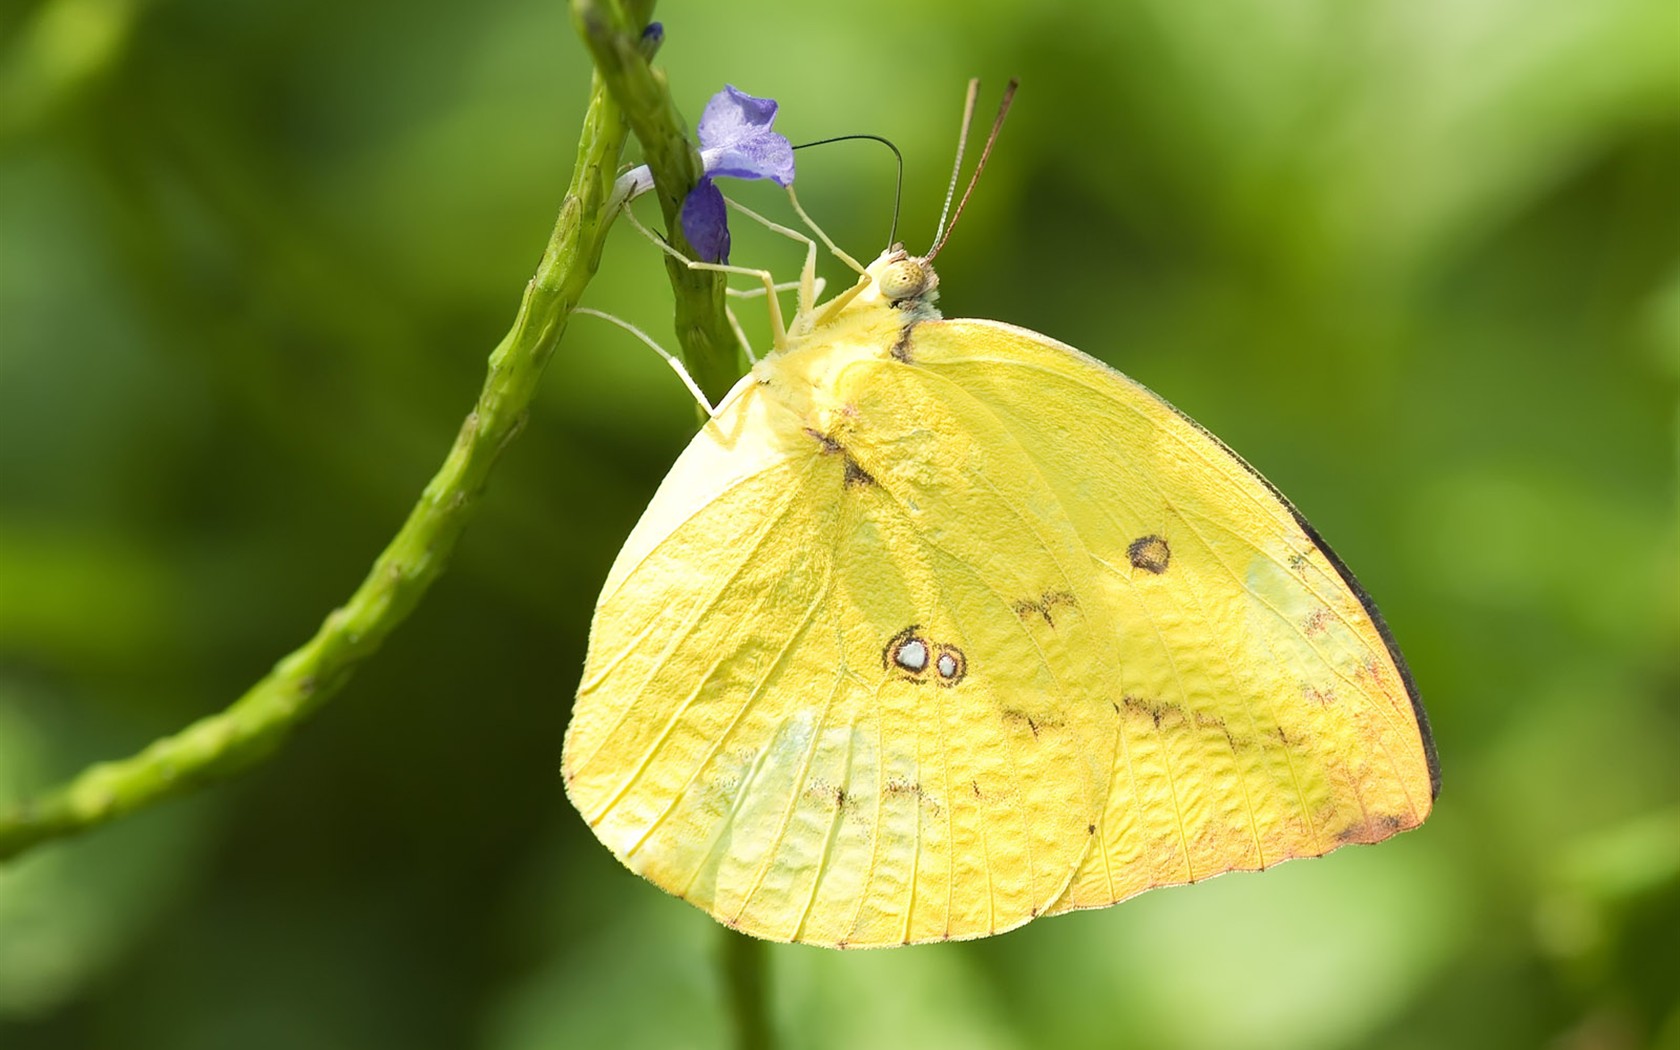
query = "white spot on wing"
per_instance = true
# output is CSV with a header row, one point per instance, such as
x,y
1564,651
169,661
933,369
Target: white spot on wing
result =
x,y
912,655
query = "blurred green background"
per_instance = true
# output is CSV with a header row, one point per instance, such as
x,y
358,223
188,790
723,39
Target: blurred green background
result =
x,y
1418,260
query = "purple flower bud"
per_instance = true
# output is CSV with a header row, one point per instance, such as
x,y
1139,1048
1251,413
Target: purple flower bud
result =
x,y
705,221
736,139
652,37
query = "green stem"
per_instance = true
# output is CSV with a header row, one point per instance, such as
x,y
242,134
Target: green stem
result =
x,y
258,722
744,970
709,346
614,35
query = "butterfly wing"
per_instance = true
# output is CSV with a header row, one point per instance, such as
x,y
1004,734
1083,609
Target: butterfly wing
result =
x,y
811,705
1262,711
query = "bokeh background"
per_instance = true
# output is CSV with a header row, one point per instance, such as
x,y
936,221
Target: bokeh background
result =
x,y
1418,260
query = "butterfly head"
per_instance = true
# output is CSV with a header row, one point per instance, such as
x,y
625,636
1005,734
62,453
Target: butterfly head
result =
x,y
906,282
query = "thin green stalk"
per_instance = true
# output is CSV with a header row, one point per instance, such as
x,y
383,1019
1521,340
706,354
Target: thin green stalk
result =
x,y
258,722
614,36
709,346
744,967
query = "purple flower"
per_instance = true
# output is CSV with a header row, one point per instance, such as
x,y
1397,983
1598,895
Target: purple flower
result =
x,y
705,221
735,138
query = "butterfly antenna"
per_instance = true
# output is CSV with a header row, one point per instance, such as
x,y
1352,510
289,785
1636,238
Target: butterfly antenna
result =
x,y
985,152
898,185
962,147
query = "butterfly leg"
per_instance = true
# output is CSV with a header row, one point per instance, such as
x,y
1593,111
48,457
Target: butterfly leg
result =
x,y
783,286
826,239
807,273
670,358
777,326
754,293
740,333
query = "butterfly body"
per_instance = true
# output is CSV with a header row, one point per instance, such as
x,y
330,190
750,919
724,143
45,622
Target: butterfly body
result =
x,y
939,625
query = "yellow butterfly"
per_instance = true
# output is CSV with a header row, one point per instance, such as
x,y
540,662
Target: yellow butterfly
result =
x,y
941,625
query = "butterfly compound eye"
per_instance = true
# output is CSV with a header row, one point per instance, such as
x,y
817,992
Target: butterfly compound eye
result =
x,y
905,279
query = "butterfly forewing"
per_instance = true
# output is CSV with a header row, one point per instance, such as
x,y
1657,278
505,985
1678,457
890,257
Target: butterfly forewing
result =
x,y
845,684
1261,712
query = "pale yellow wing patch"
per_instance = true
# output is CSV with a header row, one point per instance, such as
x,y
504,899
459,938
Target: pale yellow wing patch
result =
x,y
1261,713
813,704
